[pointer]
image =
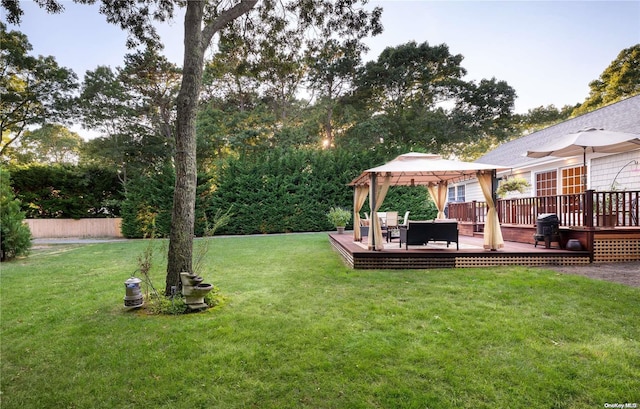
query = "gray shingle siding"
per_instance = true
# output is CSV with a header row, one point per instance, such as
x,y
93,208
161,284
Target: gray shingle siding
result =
x,y
623,116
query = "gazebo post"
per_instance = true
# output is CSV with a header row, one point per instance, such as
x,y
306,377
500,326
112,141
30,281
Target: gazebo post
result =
x,y
372,206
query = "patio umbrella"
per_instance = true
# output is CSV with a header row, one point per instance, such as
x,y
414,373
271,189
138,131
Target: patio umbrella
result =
x,y
590,140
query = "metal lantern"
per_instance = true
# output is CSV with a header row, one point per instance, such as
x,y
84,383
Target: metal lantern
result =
x,y
133,294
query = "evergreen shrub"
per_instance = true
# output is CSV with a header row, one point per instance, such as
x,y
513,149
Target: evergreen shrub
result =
x,y
279,191
292,190
15,236
148,204
146,209
67,191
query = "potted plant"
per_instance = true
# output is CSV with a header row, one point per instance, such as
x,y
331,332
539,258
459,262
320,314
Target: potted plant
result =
x,y
339,217
606,208
512,185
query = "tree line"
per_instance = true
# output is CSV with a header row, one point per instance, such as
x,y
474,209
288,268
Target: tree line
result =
x,y
412,97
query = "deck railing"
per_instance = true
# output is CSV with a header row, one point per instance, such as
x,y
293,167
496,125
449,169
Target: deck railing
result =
x,y
590,209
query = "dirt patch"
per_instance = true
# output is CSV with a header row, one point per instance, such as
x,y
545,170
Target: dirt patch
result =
x,y
623,273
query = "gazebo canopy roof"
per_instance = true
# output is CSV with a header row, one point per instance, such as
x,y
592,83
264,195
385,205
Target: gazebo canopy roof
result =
x,y
414,169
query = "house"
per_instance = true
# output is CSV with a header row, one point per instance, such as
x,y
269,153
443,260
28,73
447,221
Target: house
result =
x,y
604,217
557,176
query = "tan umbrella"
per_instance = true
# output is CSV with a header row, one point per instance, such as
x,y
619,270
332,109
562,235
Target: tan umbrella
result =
x,y
590,140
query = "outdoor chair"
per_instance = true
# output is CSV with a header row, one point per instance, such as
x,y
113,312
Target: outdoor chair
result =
x,y
392,219
405,219
392,226
364,228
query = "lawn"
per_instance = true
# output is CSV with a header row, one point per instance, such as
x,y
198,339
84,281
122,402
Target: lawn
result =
x,y
299,329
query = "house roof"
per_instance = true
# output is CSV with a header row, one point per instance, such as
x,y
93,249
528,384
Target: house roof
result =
x,y
623,116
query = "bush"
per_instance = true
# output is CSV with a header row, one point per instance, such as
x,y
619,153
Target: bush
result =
x,y
67,191
285,191
15,236
147,205
280,191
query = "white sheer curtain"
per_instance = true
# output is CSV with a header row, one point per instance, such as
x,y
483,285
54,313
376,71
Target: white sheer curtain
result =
x,y
359,197
438,193
375,230
492,233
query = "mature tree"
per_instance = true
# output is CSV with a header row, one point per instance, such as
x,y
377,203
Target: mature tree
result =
x,y
542,117
33,90
50,144
234,116
482,118
621,79
108,109
413,97
410,76
404,86
258,73
134,109
332,68
154,81
203,19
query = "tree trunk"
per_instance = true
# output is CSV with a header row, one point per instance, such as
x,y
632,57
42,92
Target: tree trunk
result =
x,y
196,40
184,197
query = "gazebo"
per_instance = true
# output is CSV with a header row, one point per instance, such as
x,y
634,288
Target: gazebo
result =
x,y
424,169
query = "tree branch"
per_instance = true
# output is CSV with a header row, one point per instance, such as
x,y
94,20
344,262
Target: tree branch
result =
x,y
225,18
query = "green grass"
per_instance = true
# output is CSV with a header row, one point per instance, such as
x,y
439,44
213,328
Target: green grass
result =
x,y
299,329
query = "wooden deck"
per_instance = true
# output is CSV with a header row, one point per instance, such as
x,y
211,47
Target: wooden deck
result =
x,y
437,255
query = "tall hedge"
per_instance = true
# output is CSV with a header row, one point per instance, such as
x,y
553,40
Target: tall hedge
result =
x,y
291,191
148,202
67,191
275,192
146,209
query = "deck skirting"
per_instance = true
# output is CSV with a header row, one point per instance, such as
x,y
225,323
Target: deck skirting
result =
x,y
616,248
423,258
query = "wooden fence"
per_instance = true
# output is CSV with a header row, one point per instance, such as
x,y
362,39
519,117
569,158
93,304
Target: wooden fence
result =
x,y
58,228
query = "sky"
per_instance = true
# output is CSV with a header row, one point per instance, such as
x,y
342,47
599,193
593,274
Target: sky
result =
x,y
548,51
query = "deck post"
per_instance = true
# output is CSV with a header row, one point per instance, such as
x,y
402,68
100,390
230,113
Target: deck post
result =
x,y
588,209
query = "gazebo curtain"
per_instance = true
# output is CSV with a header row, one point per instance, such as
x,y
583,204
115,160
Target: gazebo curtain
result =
x,y
492,233
438,193
379,192
359,197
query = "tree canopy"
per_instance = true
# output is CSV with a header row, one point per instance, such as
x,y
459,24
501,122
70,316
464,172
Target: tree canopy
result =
x,y
621,79
33,90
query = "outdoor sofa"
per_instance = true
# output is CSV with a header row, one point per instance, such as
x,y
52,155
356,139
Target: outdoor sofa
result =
x,y
421,232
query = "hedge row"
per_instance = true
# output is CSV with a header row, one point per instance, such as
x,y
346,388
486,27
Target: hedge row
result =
x,y
67,191
277,192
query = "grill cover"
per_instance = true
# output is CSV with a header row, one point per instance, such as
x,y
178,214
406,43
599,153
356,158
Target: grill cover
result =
x,y
547,224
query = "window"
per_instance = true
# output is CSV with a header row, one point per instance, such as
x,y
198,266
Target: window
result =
x,y
546,183
572,181
460,195
456,193
451,194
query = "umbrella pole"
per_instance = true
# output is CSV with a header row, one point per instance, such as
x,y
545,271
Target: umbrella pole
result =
x,y
584,169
